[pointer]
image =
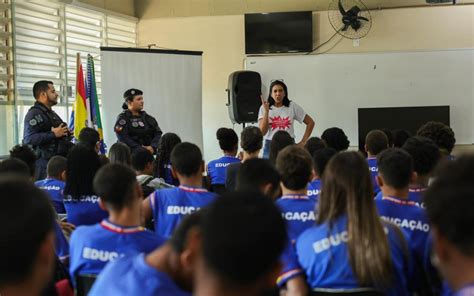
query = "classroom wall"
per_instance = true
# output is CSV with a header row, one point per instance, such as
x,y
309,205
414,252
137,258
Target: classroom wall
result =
x,y
221,38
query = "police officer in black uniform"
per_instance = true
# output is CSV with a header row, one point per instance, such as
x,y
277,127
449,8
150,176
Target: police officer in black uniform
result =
x,y
44,129
134,126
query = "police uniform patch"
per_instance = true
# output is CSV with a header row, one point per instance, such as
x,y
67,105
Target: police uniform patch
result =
x,y
33,122
140,123
134,124
118,128
122,122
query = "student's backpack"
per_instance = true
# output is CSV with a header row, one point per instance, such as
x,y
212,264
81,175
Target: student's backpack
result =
x,y
147,189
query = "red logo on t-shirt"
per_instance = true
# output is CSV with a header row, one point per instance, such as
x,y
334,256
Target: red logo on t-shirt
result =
x,y
280,123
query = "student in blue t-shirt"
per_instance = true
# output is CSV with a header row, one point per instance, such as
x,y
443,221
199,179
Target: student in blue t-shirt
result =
x,y
92,247
168,206
216,169
242,235
54,183
163,158
80,199
320,159
376,141
441,134
425,156
395,173
166,271
295,167
449,203
350,248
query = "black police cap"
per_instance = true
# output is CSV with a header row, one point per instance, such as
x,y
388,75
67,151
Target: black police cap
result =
x,y
131,93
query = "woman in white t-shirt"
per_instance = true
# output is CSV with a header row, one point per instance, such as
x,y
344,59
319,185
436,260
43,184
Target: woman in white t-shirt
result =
x,y
279,113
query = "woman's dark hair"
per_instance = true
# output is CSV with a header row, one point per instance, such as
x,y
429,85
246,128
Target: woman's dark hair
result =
x,y
25,153
314,144
82,165
271,101
120,153
348,191
335,138
228,139
280,140
251,139
163,153
129,95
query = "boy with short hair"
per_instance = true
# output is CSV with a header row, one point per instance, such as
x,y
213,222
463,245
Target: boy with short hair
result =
x,y
92,247
425,156
54,182
142,162
376,141
259,175
168,206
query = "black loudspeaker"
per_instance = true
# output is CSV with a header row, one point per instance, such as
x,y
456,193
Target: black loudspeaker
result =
x,y
243,96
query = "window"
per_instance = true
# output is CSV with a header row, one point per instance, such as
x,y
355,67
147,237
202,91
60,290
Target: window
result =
x,y
46,39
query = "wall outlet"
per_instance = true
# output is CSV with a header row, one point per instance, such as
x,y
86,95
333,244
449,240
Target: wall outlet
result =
x,y
356,42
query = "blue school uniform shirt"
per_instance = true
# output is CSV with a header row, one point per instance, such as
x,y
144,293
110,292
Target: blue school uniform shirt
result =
x,y
323,255
61,245
133,276
168,177
410,217
374,170
84,211
298,212
290,265
465,291
55,189
170,205
416,195
92,247
314,189
216,169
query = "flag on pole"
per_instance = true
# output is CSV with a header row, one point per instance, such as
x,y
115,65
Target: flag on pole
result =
x,y
80,117
93,99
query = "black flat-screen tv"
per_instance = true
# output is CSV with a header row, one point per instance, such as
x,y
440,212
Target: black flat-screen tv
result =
x,y
406,118
278,32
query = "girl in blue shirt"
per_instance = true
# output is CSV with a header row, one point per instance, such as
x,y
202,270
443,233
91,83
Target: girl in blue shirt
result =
x,y
80,200
216,169
350,248
163,157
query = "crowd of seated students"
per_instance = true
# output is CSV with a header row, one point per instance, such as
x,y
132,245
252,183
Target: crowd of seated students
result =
x,y
314,220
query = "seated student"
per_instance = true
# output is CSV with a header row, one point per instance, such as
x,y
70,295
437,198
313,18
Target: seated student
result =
x,y
280,140
295,168
80,200
335,138
449,203
425,156
395,173
243,235
15,166
400,136
320,159
142,161
375,142
314,144
441,134
251,141
216,169
259,175
91,247
166,271
54,182
27,238
168,206
350,247
163,158
389,134
90,137
120,153
26,154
